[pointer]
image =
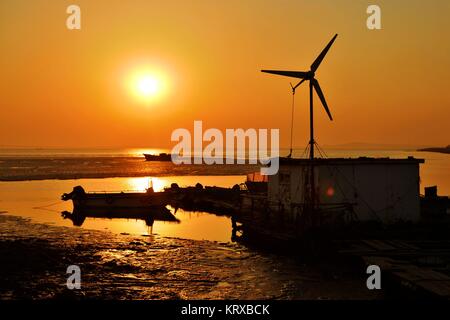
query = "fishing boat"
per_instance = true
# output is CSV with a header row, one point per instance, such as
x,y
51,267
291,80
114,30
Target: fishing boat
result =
x,y
158,157
117,200
149,215
167,157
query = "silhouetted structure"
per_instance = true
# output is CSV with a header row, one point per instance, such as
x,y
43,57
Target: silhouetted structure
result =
x,y
310,203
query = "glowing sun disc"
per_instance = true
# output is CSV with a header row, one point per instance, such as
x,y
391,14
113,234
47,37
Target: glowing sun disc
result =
x,y
147,86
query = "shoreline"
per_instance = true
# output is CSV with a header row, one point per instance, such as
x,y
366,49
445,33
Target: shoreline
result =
x,y
435,150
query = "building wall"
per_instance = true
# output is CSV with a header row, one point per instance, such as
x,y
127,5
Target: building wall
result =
x,y
380,191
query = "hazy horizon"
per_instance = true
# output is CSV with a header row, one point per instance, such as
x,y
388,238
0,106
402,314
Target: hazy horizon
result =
x,y
349,145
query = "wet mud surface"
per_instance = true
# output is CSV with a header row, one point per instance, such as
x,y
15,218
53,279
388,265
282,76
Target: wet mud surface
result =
x,y
34,259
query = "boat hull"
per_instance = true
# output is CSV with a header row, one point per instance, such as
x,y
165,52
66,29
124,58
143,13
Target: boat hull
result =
x,y
149,215
122,200
160,157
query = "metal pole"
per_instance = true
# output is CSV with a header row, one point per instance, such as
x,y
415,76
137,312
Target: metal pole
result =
x,y
311,124
311,155
292,121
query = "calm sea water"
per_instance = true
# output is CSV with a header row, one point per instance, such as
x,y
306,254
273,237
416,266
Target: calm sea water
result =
x,y
53,172
39,200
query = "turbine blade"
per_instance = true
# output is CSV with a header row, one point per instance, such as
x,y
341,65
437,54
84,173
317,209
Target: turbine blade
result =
x,y
322,55
293,88
292,74
322,97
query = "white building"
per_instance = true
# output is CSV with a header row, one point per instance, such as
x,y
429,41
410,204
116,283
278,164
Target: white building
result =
x,y
380,189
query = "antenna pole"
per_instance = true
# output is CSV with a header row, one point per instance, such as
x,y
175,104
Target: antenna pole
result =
x,y
311,155
311,122
292,121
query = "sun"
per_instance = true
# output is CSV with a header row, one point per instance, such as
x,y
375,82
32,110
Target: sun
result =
x,y
146,85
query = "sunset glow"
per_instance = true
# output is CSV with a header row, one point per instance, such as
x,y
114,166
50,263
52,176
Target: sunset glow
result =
x,y
146,86
203,62
242,153
141,184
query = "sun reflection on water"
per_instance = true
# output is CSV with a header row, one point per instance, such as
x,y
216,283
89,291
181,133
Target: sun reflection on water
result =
x,y
139,152
142,184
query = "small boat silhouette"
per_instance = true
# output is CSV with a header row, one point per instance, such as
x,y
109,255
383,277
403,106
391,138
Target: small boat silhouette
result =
x,y
115,200
149,215
156,157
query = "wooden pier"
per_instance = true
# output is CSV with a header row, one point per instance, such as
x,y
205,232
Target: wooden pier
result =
x,y
417,268
414,258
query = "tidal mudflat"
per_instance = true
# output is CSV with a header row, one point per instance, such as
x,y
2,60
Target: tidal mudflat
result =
x,y
35,257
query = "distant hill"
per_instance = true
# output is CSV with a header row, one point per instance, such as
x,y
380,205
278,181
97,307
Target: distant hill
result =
x,y
437,149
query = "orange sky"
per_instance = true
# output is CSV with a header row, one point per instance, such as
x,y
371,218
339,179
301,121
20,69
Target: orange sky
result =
x,y
62,88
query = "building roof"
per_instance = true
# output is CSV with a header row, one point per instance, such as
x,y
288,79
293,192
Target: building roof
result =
x,y
350,161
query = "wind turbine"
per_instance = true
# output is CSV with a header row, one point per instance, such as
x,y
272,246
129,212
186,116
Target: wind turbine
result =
x,y
313,84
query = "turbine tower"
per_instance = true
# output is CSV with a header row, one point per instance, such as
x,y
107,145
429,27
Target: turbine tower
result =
x,y
313,84
310,205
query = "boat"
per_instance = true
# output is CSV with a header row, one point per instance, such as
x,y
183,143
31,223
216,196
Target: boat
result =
x,y
149,215
169,157
116,200
158,157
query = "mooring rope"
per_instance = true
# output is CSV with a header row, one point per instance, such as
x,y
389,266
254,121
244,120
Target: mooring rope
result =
x,y
45,207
